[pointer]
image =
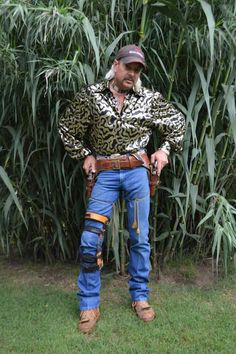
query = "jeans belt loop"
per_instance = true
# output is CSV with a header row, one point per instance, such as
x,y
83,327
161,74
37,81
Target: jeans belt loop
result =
x,y
115,164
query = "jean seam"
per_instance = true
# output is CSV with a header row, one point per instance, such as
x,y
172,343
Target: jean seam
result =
x,y
101,201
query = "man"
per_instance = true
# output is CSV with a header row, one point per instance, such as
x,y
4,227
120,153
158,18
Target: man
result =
x,y
109,124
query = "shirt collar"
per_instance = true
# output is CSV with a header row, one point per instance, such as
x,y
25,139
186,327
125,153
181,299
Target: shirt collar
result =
x,y
104,85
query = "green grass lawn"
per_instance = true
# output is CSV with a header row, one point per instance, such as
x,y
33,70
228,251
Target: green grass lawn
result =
x,y
39,315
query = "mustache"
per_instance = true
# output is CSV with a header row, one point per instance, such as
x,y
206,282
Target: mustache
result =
x,y
129,78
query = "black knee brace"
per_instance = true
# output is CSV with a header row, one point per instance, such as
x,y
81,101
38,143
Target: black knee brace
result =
x,y
93,263
88,263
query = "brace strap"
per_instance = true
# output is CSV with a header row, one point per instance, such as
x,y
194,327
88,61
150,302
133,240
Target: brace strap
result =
x,y
94,230
97,217
99,260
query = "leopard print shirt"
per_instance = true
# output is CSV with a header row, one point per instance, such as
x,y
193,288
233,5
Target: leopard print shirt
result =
x,y
92,123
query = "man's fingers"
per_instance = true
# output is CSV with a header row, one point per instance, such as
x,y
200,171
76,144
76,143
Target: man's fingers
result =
x,y
89,165
160,165
86,168
89,169
159,168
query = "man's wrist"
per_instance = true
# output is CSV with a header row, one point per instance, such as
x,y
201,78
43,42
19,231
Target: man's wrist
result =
x,y
165,150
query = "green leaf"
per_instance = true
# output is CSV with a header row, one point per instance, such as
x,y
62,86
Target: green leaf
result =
x,y
210,152
230,104
9,186
169,8
91,36
211,23
206,217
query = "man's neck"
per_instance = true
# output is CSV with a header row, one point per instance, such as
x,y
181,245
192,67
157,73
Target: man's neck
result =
x,y
117,89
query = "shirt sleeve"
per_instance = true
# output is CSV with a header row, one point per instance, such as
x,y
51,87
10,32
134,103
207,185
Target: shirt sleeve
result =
x,y
74,124
170,122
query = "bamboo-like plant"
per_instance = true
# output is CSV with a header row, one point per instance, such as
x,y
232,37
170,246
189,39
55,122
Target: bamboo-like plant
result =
x,y
48,50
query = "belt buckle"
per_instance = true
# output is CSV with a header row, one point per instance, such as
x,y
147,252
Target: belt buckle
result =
x,y
115,164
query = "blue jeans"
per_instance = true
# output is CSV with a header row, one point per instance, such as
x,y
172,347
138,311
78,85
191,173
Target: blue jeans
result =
x,y
135,184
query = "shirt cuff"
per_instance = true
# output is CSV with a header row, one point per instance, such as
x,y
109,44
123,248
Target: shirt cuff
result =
x,y
165,147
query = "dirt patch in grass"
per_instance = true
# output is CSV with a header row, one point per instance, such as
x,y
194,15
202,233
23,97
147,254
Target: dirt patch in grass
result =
x,y
199,275
231,294
65,275
25,272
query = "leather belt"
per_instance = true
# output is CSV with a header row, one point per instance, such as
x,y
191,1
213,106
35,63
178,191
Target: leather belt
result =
x,y
121,162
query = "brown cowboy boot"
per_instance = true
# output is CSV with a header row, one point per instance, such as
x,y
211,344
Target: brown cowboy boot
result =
x,y
143,310
88,319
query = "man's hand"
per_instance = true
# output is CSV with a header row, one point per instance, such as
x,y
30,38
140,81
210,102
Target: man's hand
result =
x,y
89,164
162,160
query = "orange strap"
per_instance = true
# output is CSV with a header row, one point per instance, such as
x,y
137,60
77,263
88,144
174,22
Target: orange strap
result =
x,y
97,217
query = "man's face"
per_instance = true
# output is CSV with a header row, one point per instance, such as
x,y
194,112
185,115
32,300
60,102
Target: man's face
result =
x,y
126,75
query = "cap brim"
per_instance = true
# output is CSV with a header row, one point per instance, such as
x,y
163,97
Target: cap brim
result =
x,y
133,60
